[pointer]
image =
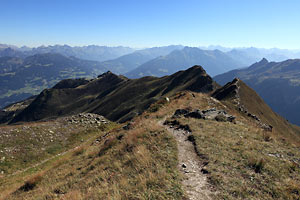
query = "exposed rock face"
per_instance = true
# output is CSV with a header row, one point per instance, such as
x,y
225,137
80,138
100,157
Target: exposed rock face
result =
x,y
230,90
212,113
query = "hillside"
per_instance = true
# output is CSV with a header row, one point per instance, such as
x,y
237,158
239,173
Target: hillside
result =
x,y
237,95
22,78
215,61
276,82
181,148
115,97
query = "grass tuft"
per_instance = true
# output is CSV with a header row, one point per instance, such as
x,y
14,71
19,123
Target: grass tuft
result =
x,y
78,151
256,164
32,182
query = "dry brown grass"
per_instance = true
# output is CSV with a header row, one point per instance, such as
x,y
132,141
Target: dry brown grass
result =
x,y
31,183
78,151
135,164
141,163
244,161
73,195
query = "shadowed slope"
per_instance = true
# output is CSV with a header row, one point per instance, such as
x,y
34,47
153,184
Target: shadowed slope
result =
x,y
115,97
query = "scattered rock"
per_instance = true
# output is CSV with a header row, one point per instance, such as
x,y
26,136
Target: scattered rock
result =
x,y
128,126
179,112
204,171
195,114
183,165
212,113
267,127
87,119
184,127
120,136
191,138
177,126
172,123
221,118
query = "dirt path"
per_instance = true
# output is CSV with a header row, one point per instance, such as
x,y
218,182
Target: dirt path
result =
x,y
195,182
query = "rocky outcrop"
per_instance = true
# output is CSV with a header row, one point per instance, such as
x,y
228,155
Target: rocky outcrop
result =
x,y
230,90
210,114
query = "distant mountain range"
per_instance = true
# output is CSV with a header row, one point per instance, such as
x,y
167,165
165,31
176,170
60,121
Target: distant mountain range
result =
x,y
91,52
24,71
273,54
133,60
215,62
24,77
278,83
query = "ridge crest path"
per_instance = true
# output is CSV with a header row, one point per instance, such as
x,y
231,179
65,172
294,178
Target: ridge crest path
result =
x,y
194,181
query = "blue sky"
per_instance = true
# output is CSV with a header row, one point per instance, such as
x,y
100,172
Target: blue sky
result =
x,y
147,23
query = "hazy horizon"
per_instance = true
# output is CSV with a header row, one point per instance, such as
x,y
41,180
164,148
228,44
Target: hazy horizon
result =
x,y
213,46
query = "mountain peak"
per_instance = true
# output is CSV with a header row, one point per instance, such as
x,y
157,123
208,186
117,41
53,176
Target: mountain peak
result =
x,y
111,76
263,61
197,68
259,64
108,73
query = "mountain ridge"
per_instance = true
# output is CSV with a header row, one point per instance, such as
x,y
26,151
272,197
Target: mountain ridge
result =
x,y
115,97
276,82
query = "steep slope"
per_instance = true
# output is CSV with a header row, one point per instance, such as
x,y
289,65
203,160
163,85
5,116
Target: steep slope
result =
x,y
22,78
215,61
115,97
276,82
131,61
244,99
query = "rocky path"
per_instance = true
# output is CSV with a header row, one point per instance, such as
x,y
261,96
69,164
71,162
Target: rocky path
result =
x,y
195,182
